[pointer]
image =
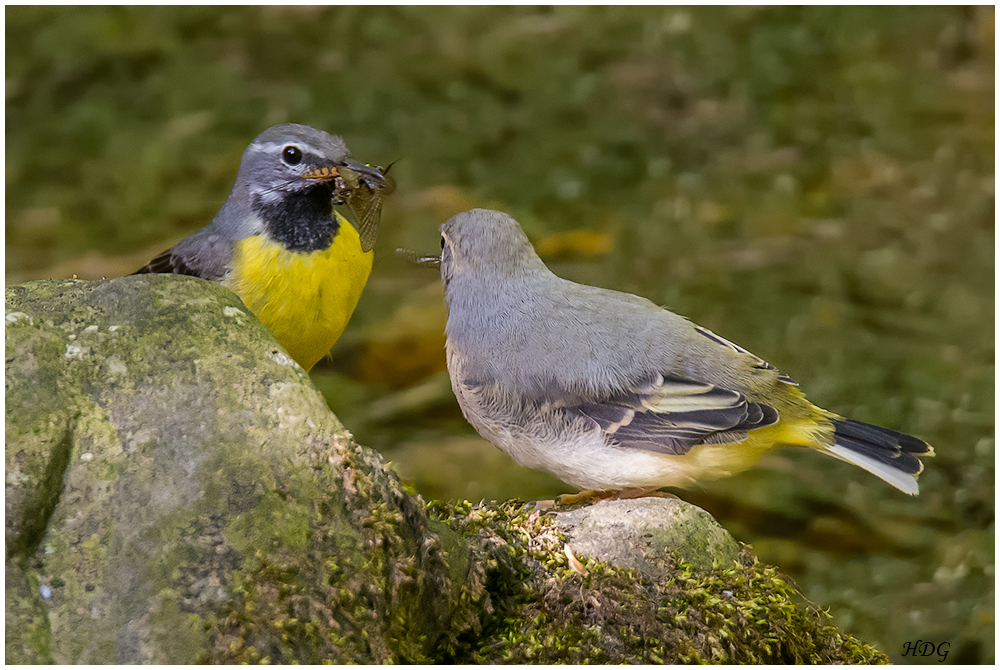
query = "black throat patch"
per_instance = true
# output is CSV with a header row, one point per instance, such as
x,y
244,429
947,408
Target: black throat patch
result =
x,y
300,221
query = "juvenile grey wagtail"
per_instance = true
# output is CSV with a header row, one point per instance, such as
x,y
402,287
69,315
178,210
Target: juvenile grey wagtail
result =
x,y
609,392
278,243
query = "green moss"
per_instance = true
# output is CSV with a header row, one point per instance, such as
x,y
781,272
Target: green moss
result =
x,y
542,611
180,635
27,634
272,521
375,589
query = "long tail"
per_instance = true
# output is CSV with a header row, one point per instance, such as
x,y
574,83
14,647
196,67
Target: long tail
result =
x,y
885,453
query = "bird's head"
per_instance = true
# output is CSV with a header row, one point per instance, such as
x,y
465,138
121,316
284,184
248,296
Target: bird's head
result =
x,y
293,158
292,176
482,242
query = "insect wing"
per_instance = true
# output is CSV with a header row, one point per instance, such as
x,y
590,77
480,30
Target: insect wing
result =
x,y
366,203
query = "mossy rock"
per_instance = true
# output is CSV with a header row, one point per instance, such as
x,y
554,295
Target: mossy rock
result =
x,y
178,491
571,608
649,535
174,482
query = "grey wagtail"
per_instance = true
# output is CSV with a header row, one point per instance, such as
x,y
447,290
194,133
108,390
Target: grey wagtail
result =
x,y
278,243
609,392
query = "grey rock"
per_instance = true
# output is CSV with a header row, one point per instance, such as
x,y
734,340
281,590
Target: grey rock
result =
x,y
648,535
158,442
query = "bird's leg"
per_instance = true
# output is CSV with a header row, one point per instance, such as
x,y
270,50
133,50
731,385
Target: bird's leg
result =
x,y
573,498
641,492
623,494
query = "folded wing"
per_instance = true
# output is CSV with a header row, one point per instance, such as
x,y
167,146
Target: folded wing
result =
x,y
670,415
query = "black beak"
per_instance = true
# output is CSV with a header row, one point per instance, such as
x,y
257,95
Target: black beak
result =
x,y
433,262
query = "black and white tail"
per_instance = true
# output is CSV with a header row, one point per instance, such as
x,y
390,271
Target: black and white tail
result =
x,y
885,453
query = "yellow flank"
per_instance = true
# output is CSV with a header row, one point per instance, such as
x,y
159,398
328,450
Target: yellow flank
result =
x,y
801,424
305,298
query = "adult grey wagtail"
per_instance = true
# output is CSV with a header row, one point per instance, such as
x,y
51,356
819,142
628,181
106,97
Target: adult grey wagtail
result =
x,y
278,243
609,392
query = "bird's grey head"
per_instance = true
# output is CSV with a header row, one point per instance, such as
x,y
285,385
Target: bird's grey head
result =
x,y
275,162
289,180
484,242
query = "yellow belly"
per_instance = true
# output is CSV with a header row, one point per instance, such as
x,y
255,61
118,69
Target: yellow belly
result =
x,y
305,298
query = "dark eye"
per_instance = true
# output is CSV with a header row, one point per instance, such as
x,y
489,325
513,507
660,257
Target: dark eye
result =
x,y
291,155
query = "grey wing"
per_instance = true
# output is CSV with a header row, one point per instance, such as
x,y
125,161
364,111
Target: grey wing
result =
x,y
670,415
758,362
203,254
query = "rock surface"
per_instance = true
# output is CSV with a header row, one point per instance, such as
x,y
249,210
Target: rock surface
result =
x,y
648,535
162,448
178,491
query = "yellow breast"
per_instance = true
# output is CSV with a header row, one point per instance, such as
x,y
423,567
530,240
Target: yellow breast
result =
x,y
305,298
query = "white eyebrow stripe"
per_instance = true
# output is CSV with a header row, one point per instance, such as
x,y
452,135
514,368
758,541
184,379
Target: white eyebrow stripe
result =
x,y
258,147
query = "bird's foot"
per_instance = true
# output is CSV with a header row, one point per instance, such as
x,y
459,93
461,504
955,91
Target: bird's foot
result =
x,y
619,494
574,498
588,495
642,492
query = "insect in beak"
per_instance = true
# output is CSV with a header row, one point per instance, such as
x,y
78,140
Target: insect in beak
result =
x,y
362,188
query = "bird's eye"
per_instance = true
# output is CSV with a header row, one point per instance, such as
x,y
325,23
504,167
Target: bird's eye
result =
x,y
291,155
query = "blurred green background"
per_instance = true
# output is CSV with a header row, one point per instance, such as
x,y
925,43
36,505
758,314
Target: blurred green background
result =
x,y
814,184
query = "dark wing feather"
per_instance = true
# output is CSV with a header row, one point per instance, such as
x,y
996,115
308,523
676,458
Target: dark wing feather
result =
x,y
672,415
206,255
759,362
169,263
